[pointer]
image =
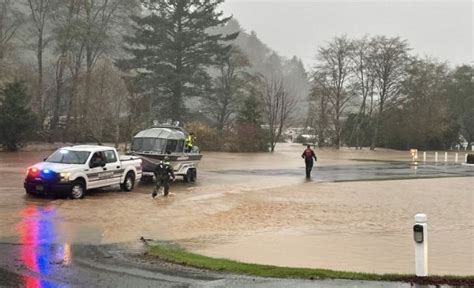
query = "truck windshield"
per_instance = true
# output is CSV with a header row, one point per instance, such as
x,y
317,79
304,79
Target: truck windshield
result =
x,y
68,157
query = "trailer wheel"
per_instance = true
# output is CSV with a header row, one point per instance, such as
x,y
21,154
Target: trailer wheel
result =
x,y
188,178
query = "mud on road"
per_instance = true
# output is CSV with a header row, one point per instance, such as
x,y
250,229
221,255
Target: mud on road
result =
x,y
259,208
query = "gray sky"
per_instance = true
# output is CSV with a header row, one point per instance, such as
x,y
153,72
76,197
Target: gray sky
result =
x,y
440,29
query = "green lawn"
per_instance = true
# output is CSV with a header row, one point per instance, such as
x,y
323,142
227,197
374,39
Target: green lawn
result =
x,y
175,254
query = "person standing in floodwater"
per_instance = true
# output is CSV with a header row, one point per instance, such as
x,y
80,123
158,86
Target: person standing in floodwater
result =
x,y
308,156
164,174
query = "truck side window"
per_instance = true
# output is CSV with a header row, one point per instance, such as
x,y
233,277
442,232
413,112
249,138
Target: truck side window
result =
x,y
110,156
96,160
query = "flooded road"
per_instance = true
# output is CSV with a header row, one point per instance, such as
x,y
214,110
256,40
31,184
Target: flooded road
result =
x,y
259,208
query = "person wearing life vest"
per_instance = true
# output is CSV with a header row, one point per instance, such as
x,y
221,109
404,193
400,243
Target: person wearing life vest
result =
x,y
163,173
308,156
189,142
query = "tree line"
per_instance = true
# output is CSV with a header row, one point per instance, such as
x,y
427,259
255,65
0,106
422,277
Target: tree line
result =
x,y
372,92
102,70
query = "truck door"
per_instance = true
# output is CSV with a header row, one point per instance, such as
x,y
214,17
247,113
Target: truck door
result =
x,y
113,167
95,173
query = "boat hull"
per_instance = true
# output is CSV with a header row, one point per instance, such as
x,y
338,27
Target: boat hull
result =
x,y
180,162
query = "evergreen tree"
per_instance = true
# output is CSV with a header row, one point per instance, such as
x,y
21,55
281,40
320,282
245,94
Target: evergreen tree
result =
x,y
249,113
17,121
250,136
172,47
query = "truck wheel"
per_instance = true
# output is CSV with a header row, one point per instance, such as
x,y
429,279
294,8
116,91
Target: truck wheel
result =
x,y
78,190
194,175
128,183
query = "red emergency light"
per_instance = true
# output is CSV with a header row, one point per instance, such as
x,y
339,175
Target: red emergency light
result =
x,y
32,171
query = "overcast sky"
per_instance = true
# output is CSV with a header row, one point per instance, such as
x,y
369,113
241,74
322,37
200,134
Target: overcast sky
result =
x,y
441,29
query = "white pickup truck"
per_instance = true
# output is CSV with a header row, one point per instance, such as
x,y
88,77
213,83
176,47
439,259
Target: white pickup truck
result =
x,y
74,170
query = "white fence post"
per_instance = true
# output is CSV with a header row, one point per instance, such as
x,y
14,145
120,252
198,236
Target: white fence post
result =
x,y
420,233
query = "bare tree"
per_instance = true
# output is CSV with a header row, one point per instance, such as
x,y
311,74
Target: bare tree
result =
x,y
65,34
365,83
100,19
40,10
95,33
107,102
278,105
11,20
229,87
9,23
319,114
389,60
73,45
333,78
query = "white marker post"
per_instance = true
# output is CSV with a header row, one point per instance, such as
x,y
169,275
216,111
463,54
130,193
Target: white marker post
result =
x,y
420,235
436,157
424,156
445,156
456,157
414,155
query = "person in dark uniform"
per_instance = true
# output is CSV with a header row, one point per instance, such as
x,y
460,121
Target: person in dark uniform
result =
x,y
163,173
308,156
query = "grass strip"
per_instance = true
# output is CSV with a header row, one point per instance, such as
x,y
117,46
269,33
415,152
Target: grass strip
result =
x,y
173,253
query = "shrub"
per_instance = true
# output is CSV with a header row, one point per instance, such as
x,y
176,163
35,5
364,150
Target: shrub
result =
x,y
470,159
207,138
242,138
17,121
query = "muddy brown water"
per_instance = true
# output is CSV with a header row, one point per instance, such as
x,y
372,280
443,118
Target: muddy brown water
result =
x,y
258,208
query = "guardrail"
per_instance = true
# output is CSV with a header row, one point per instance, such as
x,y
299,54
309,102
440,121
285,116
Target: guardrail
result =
x,y
441,157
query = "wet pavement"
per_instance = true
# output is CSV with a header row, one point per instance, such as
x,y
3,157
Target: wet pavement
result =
x,y
122,266
241,209
380,171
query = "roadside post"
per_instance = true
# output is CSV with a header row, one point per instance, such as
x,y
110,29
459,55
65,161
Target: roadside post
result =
x,y
424,156
414,155
465,158
420,235
445,156
456,158
436,157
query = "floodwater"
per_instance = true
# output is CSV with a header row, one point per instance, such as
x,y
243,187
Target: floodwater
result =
x,y
259,208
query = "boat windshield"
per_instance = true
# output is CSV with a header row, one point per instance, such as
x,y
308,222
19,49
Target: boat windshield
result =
x,y
149,145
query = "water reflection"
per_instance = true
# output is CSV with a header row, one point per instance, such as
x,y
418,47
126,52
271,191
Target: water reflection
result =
x,y
40,252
